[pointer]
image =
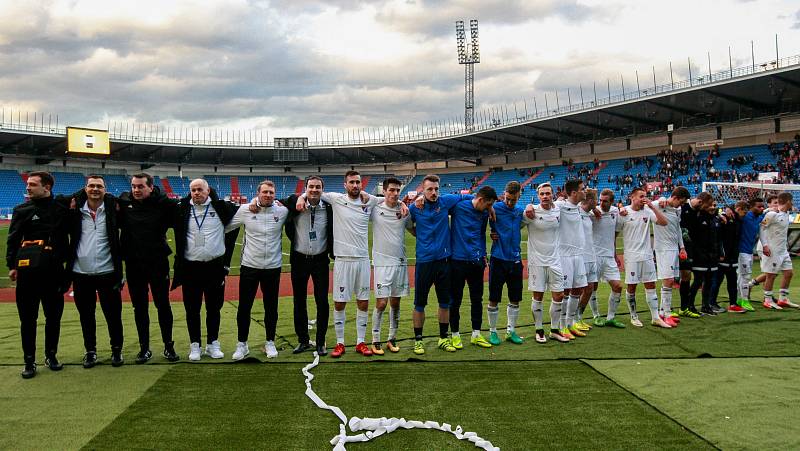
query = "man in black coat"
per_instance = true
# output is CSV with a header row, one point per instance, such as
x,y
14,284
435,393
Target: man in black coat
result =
x,y
94,265
311,236
728,266
37,247
202,260
706,237
145,214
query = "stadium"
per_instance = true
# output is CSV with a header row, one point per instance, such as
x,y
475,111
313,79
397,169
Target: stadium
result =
x,y
723,382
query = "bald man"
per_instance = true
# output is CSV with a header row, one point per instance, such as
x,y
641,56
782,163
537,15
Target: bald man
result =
x,y
202,259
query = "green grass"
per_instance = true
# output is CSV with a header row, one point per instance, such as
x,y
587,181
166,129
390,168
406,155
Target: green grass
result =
x,y
643,388
510,404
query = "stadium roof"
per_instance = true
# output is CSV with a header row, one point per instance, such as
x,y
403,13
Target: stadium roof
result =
x,y
749,92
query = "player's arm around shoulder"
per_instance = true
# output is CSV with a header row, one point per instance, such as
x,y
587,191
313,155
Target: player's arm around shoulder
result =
x,y
238,218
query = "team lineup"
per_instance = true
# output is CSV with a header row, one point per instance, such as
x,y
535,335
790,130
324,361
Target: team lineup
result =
x,y
83,240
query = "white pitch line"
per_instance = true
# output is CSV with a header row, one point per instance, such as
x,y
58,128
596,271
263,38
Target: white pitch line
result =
x,y
375,427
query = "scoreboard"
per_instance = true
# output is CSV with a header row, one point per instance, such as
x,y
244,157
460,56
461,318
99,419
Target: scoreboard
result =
x,y
87,141
291,149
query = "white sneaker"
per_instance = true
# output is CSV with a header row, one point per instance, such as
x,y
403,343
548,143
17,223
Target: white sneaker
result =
x,y
213,350
241,351
194,352
636,322
270,350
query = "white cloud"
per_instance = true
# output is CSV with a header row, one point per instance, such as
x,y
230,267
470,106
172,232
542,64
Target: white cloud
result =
x,y
308,64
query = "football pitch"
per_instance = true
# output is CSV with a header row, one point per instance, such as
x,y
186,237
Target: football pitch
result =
x,y
725,382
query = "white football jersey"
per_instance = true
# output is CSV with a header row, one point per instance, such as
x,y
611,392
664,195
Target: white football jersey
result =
x,y
604,232
668,237
350,224
588,236
635,228
570,231
543,236
775,231
388,236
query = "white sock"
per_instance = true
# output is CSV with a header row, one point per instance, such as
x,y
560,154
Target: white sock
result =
x,y
555,315
666,301
572,309
492,313
784,294
361,325
377,319
455,334
536,308
394,321
613,303
512,312
652,302
338,325
476,333
768,295
593,305
744,286
631,297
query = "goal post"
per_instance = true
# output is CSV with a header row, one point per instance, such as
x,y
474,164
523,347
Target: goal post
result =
x,y
726,193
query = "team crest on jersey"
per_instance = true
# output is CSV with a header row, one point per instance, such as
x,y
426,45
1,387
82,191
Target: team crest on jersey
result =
x,y
275,218
341,289
379,286
633,273
612,216
399,216
213,214
364,208
644,219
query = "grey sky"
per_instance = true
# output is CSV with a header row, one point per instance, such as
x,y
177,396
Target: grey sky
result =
x,y
295,66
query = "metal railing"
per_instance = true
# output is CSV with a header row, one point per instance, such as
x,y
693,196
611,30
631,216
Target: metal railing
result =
x,y
485,119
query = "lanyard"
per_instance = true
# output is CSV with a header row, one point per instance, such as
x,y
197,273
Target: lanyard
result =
x,y
200,223
313,210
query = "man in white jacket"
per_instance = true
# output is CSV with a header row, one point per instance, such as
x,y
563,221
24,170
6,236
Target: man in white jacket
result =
x,y
261,265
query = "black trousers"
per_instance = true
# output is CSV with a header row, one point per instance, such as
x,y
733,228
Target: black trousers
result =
x,y
704,278
143,280
87,288
469,273
203,280
35,287
726,273
316,267
249,280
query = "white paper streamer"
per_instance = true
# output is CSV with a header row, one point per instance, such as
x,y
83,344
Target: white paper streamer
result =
x,y
375,427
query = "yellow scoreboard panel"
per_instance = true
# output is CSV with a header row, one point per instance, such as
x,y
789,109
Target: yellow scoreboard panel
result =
x,y
87,141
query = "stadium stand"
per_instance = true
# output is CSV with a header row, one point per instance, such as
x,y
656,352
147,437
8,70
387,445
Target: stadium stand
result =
x,y
662,172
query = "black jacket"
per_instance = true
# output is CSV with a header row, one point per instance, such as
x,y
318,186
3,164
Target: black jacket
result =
x,y
731,232
706,236
40,219
291,204
224,209
75,225
143,227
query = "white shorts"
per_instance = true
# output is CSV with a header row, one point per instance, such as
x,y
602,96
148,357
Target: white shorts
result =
x,y
545,278
668,264
591,272
350,278
745,265
776,263
640,272
391,281
574,271
607,269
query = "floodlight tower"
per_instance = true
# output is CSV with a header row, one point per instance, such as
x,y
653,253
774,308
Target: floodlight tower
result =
x,y
468,57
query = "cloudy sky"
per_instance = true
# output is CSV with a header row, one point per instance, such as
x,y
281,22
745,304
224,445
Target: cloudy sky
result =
x,y
293,67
